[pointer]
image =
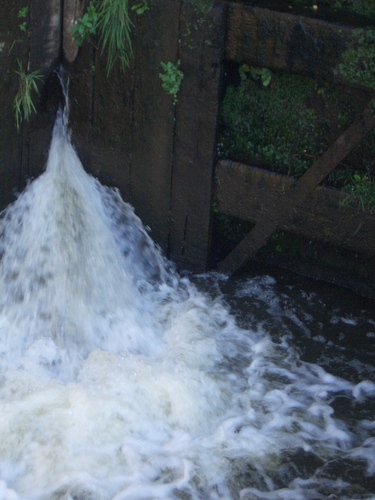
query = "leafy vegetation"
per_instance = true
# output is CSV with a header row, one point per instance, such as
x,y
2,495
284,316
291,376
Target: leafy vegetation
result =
x,y
86,26
141,7
273,125
110,20
361,191
358,61
22,14
362,7
114,27
262,75
23,102
171,78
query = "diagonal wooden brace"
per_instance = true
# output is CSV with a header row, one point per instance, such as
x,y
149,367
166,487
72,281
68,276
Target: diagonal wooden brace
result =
x,y
295,196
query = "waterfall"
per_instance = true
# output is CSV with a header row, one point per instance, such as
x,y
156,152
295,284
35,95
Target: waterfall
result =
x,y
74,256
119,379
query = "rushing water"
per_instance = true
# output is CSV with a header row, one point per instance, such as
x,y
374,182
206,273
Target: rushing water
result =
x,y
119,379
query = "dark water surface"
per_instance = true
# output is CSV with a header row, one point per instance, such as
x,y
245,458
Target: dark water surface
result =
x,y
121,380
324,326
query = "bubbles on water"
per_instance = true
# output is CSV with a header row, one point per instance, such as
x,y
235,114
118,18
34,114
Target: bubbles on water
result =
x,y
119,379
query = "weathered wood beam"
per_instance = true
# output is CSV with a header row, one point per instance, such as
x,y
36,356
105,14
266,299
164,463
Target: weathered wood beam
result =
x,y
201,54
72,10
250,192
297,194
155,40
37,47
285,42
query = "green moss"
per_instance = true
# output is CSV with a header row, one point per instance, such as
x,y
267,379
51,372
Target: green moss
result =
x,y
276,126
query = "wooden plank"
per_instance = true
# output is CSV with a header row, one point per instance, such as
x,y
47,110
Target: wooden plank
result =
x,y
101,110
10,142
249,192
36,47
72,10
201,55
286,42
155,40
297,194
44,34
111,124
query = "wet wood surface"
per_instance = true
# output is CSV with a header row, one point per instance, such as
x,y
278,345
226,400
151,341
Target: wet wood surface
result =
x,y
132,134
126,128
329,215
32,40
155,40
287,42
201,54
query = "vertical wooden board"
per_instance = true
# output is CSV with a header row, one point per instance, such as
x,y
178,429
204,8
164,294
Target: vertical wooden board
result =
x,y
13,153
155,40
201,54
72,10
44,34
81,76
111,123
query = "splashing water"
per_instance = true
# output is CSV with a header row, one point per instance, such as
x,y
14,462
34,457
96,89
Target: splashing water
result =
x,y
121,380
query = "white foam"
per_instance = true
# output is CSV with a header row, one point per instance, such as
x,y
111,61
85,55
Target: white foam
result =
x,y
121,380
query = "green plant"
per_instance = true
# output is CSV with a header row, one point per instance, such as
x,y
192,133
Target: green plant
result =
x,y
114,27
361,7
264,75
86,25
23,102
273,126
110,19
22,13
361,191
171,78
141,7
358,61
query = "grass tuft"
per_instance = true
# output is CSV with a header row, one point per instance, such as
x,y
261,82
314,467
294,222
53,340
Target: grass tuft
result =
x,y
23,102
114,25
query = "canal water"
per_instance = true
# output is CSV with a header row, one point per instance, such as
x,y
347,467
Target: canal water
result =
x,y
119,379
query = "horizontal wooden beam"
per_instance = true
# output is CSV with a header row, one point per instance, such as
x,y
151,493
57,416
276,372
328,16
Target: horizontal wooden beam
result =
x,y
296,195
287,42
249,193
